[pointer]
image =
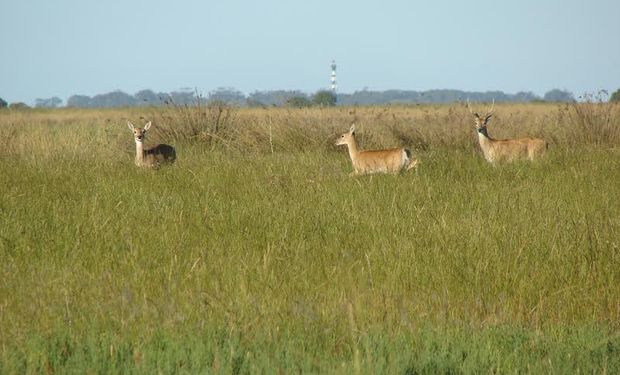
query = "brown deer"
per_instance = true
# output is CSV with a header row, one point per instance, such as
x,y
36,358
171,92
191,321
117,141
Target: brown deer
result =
x,y
376,161
152,157
505,150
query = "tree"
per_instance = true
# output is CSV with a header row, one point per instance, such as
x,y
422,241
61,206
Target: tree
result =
x,y
53,102
227,95
525,96
3,103
615,97
299,102
324,98
78,101
557,95
182,98
148,98
18,106
273,98
251,102
113,99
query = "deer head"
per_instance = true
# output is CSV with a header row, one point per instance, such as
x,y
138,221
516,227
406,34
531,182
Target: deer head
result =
x,y
139,133
347,137
482,121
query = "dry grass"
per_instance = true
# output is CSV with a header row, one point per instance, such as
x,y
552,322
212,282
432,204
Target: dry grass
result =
x,y
258,130
256,252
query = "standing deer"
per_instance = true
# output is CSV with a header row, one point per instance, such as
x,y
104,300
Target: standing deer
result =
x,y
376,161
152,157
505,150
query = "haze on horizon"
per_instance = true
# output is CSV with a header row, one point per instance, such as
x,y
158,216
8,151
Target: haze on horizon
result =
x,y
68,47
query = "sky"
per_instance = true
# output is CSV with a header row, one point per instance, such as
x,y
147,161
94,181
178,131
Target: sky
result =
x,y
88,47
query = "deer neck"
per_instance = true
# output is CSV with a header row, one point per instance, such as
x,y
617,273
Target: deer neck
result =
x,y
486,143
353,149
483,137
139,153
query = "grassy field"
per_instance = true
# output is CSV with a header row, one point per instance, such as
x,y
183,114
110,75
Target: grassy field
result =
x,y
257,253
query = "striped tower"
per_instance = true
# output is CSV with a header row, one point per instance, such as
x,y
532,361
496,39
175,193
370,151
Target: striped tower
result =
x,y
333,76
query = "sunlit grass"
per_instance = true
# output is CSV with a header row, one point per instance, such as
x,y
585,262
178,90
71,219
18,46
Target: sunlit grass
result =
x,y
240,261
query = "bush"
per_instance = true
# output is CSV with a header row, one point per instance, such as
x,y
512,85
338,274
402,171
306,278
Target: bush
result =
x,y
299,102
558,96
615,97
18,106
597,121
324,98
3,103
199,122
53,102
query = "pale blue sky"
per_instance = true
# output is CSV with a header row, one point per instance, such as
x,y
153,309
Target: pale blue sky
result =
x,y
65,47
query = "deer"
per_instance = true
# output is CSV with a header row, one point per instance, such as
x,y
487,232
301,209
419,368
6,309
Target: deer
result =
x,y
151,157
505,150
392,161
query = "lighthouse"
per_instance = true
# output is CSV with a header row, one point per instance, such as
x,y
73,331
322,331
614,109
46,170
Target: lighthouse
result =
x,y
333,80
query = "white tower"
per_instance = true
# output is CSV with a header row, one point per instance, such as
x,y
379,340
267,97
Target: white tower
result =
x,y
333,76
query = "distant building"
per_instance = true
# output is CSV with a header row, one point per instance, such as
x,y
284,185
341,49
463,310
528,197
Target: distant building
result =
x,y
333,79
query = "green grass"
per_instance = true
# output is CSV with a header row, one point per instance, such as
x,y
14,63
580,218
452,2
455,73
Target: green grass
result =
x,y
425,351
266,262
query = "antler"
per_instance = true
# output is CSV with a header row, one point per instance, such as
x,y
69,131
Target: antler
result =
x,y
470,110
491,108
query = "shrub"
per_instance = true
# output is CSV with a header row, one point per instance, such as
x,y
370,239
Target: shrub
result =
x,y
324,98
18,106
597,121
299,102
558,96
198,122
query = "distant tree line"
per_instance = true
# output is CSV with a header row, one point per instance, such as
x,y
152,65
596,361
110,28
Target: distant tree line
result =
x,y
121,99
367,97
295,98
220,95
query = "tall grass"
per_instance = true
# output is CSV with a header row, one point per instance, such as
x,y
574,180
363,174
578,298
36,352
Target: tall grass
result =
x,y
209,124
596,121
264,255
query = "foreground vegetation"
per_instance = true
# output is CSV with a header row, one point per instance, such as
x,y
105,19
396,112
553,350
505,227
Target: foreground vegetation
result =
x,y
256,252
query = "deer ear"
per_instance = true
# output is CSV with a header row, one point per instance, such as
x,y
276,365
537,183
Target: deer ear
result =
x,y
130,126
476,115
147,126
352,130
488,117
